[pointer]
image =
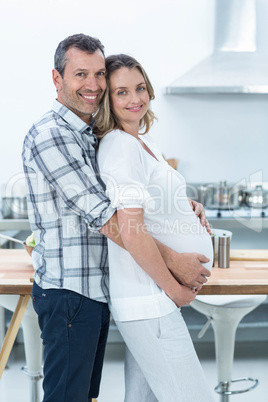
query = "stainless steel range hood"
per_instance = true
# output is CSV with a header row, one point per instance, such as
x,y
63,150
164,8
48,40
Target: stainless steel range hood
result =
x,y
236,65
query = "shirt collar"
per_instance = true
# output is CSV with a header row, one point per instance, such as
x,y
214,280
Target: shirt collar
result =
x,y
71,118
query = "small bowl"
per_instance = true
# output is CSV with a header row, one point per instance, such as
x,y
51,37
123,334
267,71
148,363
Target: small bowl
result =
x,y
29,249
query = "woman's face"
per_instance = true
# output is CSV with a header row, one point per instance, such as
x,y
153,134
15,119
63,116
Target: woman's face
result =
x,y
129,97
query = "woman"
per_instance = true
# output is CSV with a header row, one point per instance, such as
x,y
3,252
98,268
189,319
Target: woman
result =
x,y
161,363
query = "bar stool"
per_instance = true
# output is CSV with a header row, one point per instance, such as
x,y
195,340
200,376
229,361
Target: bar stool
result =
x,y
225,313
32,344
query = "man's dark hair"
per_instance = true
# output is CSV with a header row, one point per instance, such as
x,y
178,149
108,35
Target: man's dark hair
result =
x,y
83,42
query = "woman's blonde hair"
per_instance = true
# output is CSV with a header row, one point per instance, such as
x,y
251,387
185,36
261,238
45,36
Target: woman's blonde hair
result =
x,y
105,120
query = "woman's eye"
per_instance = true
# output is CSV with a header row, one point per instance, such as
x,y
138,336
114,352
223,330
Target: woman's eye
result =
x,y
141,89
122,93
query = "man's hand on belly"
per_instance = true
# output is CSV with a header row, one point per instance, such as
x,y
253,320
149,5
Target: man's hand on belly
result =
x,y
185,267
188,270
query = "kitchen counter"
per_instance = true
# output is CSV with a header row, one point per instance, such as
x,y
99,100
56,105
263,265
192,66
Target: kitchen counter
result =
x,y
256,224
16,271
249,275
14,224
243,277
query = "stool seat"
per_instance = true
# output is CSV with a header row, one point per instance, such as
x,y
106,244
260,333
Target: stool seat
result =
x,y
232,300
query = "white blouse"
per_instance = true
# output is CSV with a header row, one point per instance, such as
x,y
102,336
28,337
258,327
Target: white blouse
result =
x,y
135,179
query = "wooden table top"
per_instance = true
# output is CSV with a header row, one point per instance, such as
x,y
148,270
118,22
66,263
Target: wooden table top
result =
x,y
243,277
16,270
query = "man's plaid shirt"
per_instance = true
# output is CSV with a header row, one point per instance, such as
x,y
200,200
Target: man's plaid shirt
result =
x,y
66,204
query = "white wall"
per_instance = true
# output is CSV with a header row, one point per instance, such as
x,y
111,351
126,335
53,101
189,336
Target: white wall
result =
x,y
214,137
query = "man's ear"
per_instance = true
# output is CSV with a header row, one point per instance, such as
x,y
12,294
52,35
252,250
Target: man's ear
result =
x,y
57,79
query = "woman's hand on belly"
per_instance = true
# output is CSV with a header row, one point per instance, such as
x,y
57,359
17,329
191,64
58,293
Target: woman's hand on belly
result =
x,y
200,213
184,296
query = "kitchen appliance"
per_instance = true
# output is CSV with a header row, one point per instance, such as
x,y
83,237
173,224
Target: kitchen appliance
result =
x,y
223,196
14,208
256,198
235,200
239,62
13,198
202,190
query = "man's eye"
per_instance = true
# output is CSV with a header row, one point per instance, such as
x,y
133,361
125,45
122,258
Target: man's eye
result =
x,y
101,73
80,74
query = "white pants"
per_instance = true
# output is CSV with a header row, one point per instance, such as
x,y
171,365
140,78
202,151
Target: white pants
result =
x,y
161,364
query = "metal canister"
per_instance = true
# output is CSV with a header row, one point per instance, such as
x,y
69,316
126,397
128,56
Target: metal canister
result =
x,y
224,252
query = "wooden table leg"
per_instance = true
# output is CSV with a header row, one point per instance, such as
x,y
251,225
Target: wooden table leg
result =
x,y
12,331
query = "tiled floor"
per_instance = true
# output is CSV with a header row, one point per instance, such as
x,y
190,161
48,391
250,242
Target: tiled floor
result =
x,y
251,359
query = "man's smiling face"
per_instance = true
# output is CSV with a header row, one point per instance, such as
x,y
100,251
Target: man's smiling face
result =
x,y
83,83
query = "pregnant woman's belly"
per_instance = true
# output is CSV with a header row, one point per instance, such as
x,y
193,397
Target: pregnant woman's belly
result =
x,y
186,237
195,243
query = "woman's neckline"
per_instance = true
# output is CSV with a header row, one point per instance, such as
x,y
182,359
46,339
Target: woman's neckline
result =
x,y
148,150
143,144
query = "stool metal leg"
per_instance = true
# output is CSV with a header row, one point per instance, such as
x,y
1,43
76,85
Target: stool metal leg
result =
x,y
34,384
224,388
33,352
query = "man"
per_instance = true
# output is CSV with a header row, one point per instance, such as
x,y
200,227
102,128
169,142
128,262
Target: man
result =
x,y
67,210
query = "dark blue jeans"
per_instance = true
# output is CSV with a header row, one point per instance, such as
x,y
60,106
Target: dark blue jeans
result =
x,y
74,332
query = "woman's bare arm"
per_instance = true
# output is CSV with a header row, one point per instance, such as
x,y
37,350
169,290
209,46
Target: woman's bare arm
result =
x,y
142,247
185,267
